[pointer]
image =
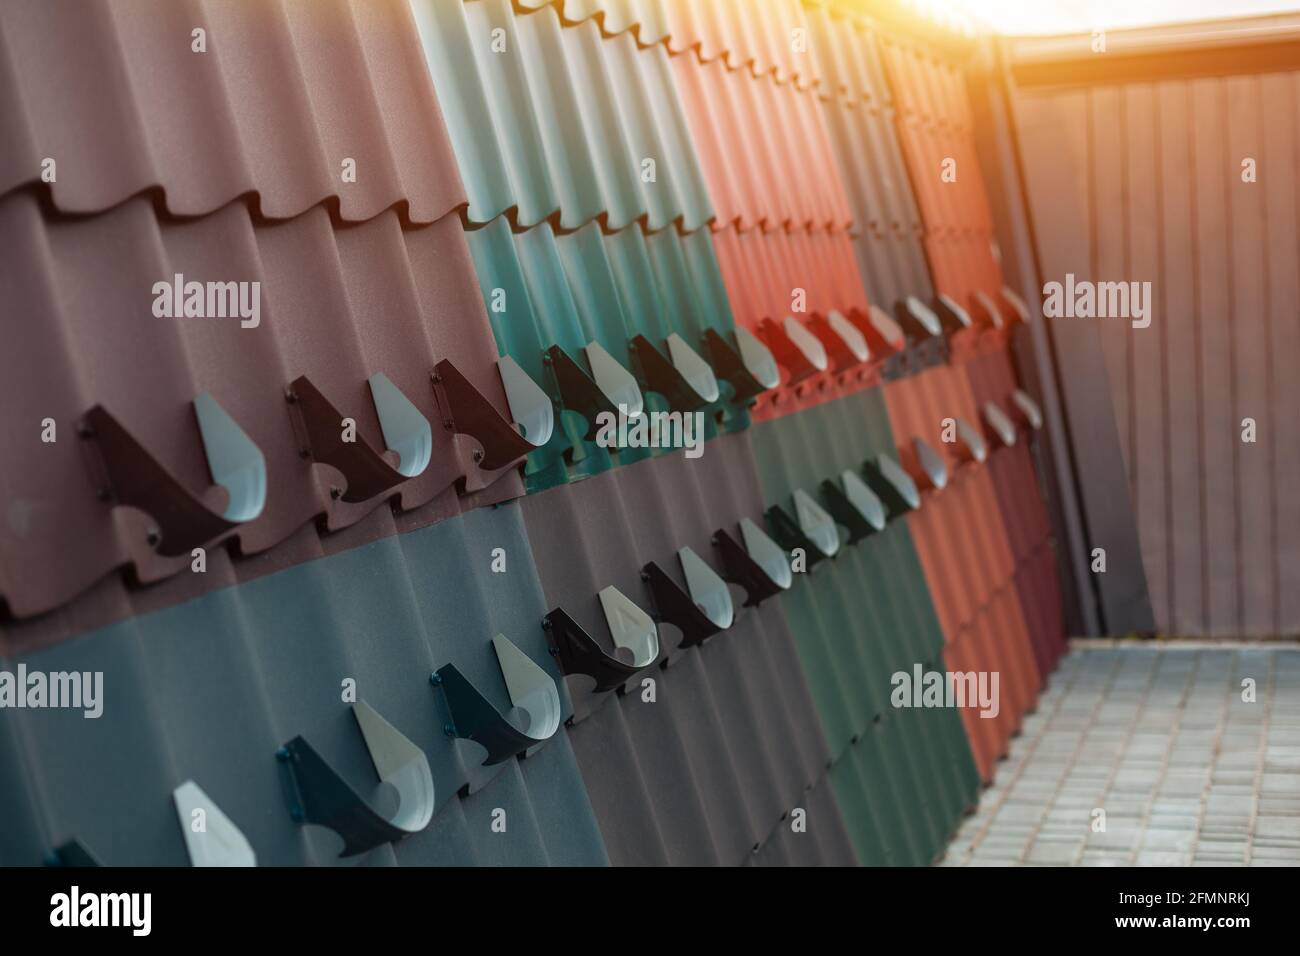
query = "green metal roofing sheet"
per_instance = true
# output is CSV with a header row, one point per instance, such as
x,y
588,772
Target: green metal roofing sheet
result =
x,y
857,619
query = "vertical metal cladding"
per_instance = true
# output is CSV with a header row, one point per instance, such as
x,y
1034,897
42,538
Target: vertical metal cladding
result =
x,y
903,776
1214,236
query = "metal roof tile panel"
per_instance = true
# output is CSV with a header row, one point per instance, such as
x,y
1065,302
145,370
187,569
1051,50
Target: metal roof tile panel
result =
x,y
571,289
283,95
858,619
761,38
557,123
764,150
209,689
337,304
704,774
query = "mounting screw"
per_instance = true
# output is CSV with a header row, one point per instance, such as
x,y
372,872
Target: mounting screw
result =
x,y
553,652
336,492
448,424
435,679
153,536
714,540
436,378
297,814
291,396
478,455
449,730
84,430
546,624
282,755
645,575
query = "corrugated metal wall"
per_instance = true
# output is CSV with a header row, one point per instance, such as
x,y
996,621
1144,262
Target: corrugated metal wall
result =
x,y
1156,164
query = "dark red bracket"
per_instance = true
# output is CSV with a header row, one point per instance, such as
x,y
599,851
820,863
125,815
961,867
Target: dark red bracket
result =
x,y
467,411
578,653
128,474
788,355
319,427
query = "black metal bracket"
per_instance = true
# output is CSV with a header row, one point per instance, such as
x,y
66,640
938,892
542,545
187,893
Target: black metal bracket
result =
x,y
844,512
467,411
319,427
659,374
578,390
676,607
892,485
126,473
578,653
322,797
72,853
533,717
729,366
740,568
787,533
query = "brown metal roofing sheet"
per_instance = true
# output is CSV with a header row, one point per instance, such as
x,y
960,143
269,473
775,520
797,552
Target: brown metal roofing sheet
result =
x,y
283,95
337,305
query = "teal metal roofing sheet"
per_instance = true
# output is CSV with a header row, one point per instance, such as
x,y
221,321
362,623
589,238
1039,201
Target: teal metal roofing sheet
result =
x,y
560,124
209,689
545,289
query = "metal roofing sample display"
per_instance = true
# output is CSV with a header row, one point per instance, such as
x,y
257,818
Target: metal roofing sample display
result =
x,y
963,546
211,690
934,130
280,96
781,227
586,208
1009,427
705,759
231,378
903,776
859,110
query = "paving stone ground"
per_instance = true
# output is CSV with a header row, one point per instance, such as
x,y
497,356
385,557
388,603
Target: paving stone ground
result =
x,y
1158,737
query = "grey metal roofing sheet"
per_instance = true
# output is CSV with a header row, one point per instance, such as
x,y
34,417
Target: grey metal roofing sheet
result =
x,y
703,775
284,93
555,123
209,689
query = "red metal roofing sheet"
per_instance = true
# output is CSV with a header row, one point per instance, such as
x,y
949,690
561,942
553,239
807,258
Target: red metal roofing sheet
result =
x,y
284,93
760,37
